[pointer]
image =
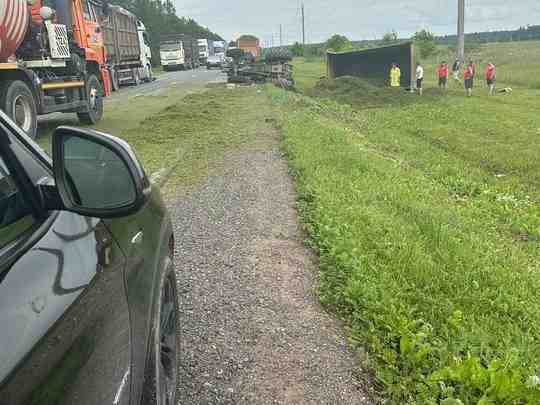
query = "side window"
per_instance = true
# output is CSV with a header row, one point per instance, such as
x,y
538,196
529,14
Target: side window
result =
x,y
87,10
15,213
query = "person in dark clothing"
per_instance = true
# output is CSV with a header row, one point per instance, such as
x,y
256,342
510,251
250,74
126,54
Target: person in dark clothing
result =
x,y
455,70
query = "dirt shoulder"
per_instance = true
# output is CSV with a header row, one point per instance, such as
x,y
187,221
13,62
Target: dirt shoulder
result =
x,y
252,330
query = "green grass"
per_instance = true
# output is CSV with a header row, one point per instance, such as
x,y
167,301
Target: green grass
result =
x,y
426,216
307,72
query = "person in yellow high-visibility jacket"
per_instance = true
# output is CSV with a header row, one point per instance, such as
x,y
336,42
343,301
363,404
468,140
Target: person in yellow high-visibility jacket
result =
x,y
395,76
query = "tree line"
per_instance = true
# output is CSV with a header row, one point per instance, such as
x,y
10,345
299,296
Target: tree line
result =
x,y
160,20
529,33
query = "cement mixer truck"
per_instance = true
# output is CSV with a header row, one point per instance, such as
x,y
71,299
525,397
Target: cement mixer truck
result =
x,y
52,59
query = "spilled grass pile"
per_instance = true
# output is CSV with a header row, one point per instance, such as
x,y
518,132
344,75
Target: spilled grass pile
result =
x,y
193,135
426,216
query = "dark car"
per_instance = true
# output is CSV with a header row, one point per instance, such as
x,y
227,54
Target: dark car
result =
x,y
88,298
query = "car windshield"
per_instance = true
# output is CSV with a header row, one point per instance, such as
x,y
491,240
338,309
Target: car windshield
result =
x,y
170,47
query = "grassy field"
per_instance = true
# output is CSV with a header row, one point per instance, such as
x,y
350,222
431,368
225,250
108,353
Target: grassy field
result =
x,y
426,215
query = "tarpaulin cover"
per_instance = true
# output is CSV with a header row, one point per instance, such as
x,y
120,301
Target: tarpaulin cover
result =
x,y
373,64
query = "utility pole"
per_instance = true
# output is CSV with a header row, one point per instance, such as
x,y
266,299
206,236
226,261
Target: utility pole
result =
x,y
461,31
280,35
303,26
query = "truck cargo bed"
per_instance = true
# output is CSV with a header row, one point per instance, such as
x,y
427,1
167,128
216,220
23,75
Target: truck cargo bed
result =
x,y
121,37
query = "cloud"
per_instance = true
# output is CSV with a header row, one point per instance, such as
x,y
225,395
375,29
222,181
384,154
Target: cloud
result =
x,y
354,18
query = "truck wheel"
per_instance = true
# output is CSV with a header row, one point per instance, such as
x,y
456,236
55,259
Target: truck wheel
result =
x,y
94,94
18,103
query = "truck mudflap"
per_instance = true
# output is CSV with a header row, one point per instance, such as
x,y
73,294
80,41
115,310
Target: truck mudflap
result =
x,y
107,81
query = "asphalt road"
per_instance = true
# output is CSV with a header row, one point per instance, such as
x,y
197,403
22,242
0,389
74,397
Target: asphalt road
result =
x,y
168,79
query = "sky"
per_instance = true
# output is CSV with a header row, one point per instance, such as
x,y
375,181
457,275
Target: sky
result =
x,y
357,19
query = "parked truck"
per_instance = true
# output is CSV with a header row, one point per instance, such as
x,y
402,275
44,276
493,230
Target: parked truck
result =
x,y
179,51
127,47
52,59
204,51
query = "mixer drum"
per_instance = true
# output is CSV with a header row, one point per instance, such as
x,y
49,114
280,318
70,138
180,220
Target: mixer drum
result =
x,y
14,20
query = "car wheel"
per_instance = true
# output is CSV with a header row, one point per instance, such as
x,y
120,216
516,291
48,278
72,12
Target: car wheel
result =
x,y
94,94
18,103
162,369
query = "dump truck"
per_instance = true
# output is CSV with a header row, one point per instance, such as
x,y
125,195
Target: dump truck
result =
x,y
179,51
127,47
52,59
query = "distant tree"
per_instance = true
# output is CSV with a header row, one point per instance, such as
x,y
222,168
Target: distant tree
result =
x,y
297,49
233,44
338,43
425,41
390,37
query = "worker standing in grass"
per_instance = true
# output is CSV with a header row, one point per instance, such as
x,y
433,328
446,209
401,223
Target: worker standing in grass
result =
x,y
491,76
455,70
395,76
468,76
419,78
442,73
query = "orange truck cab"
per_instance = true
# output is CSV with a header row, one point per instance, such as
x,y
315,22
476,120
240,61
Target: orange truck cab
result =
x,y
59,65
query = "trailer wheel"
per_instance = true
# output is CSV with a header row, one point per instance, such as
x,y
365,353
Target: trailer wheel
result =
x,y
18,103
94,94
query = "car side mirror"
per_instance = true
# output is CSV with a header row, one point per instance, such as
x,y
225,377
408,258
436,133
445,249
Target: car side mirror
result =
x,y
97,175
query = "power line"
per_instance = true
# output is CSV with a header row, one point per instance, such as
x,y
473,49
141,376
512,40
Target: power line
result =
x,y
303,25
461,31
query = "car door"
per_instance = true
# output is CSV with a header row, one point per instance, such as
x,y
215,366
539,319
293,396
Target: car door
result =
x,y
64,320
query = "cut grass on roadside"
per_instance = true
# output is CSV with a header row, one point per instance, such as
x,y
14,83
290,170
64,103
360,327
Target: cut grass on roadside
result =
x,y
193,135
426,216
122,112
188,133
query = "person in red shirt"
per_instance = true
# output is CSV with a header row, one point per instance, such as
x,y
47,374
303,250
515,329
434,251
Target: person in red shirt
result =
x,y
442,73
491,76
468,75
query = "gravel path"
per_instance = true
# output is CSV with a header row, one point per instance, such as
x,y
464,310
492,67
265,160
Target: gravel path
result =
x,y
252,331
